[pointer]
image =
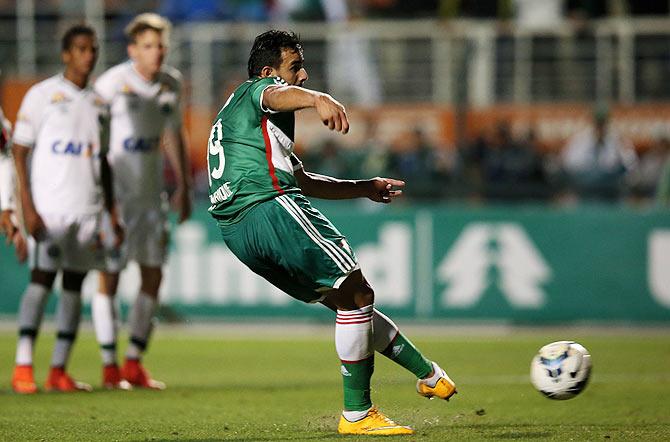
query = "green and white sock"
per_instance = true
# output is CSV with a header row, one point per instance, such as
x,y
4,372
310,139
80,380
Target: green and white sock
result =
x,y
353,341
390,342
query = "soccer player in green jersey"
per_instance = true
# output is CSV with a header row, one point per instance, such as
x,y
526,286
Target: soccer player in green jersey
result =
x,y
258,191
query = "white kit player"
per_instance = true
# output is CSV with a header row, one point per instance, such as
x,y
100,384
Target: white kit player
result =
x,y
144,100
62,122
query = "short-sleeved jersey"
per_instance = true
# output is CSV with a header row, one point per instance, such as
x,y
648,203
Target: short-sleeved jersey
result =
x,y
140,112
7,182
250,152
62,124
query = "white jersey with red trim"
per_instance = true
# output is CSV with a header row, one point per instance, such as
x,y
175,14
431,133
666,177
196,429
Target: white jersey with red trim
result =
x,y
62,124
140,111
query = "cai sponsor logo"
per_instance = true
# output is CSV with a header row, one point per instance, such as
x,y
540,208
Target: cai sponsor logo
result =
x,y
74,148
132,144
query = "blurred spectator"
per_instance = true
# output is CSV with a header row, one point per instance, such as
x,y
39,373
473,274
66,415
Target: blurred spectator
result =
x,y
332,160
179,11
374,159
597,162
351,71
538,14
399,9
648,174
424,167
663,187
648,8
512,169
486,9
470,159
581,10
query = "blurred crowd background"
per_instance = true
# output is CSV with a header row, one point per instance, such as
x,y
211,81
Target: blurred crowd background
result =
x,y
556,101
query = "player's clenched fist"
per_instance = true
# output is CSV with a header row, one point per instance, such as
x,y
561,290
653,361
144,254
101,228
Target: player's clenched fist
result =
x,y
332,113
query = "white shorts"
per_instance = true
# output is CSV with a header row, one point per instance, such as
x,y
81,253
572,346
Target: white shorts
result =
x,y
71,242
146,239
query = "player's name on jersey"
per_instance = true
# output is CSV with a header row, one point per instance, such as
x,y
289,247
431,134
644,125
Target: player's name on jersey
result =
x,y
221,194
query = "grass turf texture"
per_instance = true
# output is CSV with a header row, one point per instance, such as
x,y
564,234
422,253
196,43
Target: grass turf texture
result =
x,y
223,388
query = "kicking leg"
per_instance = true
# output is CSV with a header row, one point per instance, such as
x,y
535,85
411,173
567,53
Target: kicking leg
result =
x,y
392,343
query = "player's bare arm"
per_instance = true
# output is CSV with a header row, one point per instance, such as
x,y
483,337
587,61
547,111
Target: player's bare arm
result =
x,y
34,223
107,180
7,227
175,149
292,98
382,190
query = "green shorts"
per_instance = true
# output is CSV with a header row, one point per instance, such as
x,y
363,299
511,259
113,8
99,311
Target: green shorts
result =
x,y
293,246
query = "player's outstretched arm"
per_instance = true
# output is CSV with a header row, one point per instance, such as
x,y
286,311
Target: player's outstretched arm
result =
x,y
292,98
382,190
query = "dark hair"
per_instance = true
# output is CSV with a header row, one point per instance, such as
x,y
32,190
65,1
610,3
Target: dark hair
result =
x,y
267,48
74,31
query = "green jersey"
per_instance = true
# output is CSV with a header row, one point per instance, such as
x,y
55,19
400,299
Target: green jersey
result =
x,y
250,153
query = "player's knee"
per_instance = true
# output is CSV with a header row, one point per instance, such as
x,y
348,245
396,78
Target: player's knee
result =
x,y
151,280
364,295
108,283
42,278
72,281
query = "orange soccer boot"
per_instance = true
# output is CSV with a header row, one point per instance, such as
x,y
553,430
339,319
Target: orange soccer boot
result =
x,y
134,372
23,381
373,424
112,380
444,387
59,380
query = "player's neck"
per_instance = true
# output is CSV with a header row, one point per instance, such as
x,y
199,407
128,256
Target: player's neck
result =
x,y
145,74
75,78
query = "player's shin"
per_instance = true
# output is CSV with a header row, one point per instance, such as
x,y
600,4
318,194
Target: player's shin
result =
x,y
390,342
30,316
353,341
68,314
105,322
141,324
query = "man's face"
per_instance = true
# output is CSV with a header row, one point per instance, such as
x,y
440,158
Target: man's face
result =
x,y
148,51
291,69
82,54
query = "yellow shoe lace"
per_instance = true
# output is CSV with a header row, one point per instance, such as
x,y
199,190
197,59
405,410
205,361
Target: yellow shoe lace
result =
x,y
379,417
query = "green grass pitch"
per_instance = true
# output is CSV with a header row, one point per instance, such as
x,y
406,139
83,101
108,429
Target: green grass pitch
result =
x,y
225,387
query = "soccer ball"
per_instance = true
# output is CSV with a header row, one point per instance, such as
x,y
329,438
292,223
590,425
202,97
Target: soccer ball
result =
x,y
561,370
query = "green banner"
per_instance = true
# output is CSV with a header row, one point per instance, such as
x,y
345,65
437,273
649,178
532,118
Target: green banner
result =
x,y
521,264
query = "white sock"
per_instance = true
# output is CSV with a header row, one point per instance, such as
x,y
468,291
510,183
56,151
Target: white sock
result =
x,y
68,314
353,334
30,316
353,416
437,374
353,342
104,315
141,324
385,330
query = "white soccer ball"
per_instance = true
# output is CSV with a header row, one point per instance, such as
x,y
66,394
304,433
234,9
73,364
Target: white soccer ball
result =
x,y
561,370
